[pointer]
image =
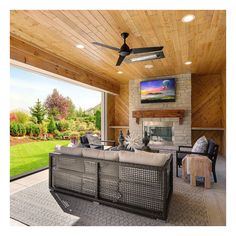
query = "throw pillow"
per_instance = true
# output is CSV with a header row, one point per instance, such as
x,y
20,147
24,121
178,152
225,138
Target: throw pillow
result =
x,y
200,145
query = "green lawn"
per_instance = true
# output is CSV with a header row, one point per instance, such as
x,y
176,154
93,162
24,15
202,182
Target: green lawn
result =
x,y
31,156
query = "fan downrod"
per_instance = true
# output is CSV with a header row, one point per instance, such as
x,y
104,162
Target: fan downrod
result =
x,y
124,35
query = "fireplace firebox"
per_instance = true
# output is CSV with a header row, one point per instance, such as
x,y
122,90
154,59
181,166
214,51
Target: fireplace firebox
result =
x,y
159,132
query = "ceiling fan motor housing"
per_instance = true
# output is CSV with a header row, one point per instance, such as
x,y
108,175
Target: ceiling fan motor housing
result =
x,y
124,50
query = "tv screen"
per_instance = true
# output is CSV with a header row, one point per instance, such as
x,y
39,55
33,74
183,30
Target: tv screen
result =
x,y
161,90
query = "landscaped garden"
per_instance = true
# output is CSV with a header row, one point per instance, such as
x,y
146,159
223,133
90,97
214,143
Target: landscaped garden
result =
x,y
35,134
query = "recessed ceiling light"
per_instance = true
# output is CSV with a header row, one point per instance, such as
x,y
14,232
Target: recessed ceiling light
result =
x,y
80,46
188,18
148,66
119,72
188,63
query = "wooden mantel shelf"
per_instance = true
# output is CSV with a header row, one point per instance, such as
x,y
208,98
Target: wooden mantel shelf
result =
x,y
159,114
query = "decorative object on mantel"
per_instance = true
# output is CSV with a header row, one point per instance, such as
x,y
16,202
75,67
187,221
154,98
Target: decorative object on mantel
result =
x,y
128,133
175,113
132,142
146,140
121,140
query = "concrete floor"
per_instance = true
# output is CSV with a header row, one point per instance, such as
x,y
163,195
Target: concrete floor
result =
x,y
215,198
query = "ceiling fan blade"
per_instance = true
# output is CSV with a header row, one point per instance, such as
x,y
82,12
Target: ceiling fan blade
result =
x,y
142,50
106,46
119,61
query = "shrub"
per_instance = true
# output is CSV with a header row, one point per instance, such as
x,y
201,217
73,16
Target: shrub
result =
x,y
63,125
80,126
66,134
32,129
52,125
35,131
72,125
17,129
98,119
43,128
29,127
74,134
91,127
14,129
81,133
58,135
21,129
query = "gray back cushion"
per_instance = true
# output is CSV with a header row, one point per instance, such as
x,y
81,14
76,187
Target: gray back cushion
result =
x,y
100,154
144,158
69,150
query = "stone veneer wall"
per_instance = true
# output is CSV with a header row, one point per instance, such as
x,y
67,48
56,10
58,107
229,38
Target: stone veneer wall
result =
x,y
182,133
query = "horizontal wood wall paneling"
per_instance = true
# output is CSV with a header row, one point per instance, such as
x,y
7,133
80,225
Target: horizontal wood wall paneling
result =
x,y
201,41
28,54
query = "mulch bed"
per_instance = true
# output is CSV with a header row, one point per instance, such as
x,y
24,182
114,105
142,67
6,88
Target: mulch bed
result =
x,y
20,140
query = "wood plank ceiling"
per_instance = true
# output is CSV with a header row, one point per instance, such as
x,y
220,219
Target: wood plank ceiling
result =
x,y
202,41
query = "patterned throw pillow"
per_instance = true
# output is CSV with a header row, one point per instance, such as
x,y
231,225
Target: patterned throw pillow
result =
x,y
200,145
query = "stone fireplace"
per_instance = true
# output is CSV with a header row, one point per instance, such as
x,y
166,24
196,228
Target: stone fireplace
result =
x,y
164,131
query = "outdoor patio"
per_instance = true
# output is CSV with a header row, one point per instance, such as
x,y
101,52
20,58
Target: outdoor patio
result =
x,y
214,198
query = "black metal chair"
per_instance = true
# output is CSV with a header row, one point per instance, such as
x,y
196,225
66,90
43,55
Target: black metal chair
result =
x,y
85,143
211,153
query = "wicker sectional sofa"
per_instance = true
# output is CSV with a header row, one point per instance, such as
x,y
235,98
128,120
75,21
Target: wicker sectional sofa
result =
x,y
126,180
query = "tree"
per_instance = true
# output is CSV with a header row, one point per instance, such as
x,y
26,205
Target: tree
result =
x,y
38,111
98,119
19,116
13,117
52,125
71,109
57,105
22,117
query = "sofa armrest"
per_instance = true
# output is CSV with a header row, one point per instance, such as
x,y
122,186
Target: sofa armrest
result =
x,y
197,153
179,147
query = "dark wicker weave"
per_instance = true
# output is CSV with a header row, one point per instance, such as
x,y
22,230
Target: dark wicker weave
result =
x,y
138,188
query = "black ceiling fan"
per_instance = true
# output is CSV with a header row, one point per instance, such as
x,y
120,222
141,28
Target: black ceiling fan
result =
x,y
125,50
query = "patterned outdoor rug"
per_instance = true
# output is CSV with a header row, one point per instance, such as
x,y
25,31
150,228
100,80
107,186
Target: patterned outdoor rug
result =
x,y
37,206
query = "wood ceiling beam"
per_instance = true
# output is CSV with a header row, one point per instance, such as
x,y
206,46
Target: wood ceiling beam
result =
x,y
23,52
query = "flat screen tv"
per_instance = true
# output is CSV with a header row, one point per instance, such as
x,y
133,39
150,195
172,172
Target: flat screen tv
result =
x,y
161,90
